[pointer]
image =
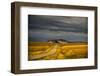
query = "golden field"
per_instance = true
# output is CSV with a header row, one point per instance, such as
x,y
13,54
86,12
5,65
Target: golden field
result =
x,y
54,51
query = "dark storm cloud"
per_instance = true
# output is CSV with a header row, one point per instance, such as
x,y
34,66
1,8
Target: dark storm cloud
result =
x,y
44,28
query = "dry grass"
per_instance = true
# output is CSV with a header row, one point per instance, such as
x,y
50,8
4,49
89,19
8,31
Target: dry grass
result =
x,y
53,51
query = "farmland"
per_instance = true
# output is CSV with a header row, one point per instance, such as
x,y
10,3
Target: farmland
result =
x,y
54,51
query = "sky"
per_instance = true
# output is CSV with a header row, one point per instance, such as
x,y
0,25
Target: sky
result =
x,y
42,28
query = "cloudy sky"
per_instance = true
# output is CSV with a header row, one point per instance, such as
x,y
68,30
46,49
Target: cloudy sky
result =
x,y
43,28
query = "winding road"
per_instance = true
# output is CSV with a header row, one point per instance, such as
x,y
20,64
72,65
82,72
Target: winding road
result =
x,y
49,51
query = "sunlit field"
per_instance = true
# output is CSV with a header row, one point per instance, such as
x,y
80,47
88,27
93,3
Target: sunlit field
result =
x,y
54,51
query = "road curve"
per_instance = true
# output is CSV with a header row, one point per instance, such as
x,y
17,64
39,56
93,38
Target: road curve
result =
x,y
49,51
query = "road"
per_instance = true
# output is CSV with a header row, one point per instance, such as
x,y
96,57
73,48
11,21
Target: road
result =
x,y
50,51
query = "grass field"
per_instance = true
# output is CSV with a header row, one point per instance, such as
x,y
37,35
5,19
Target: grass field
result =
x,y
54,51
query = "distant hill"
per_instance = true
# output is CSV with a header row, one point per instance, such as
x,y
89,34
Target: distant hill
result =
x,y
64,41
58,41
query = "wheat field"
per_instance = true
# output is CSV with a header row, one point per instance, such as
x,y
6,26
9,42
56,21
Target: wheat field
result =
x,y
54,51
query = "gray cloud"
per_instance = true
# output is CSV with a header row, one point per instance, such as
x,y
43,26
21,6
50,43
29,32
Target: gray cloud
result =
x,y
44,28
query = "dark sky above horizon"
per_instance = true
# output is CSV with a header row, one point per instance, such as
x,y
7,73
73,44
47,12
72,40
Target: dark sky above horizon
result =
x,y
42,28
